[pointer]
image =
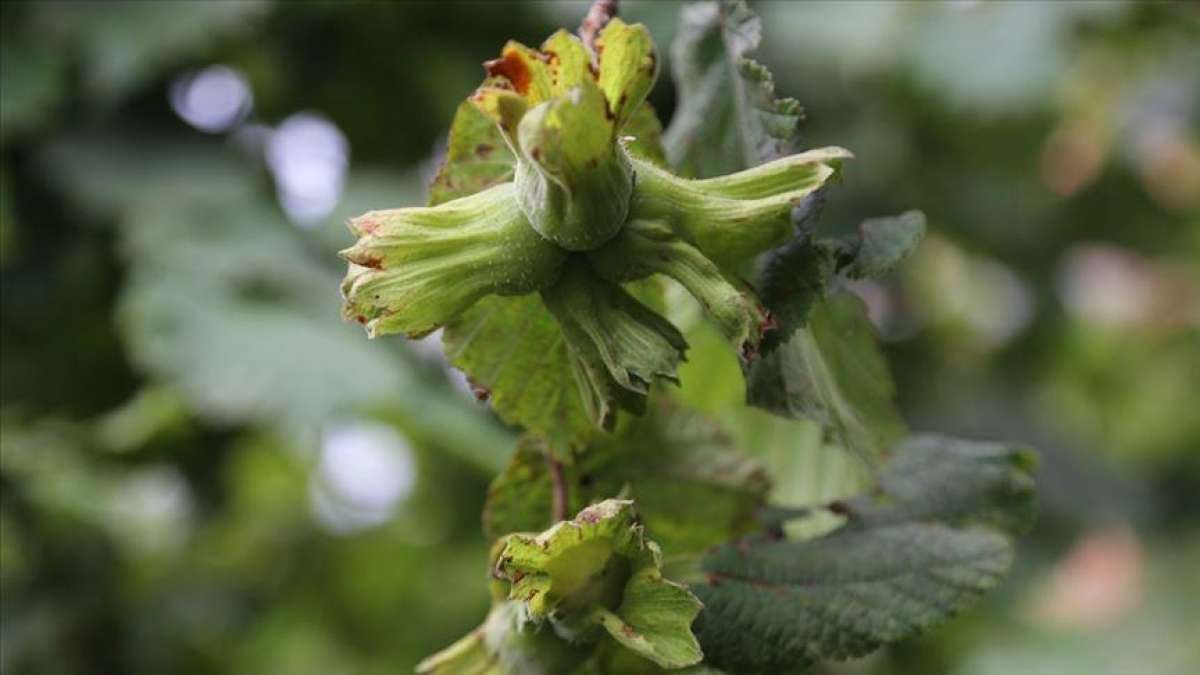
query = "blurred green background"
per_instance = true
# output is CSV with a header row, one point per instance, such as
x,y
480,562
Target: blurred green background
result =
x,y
202,470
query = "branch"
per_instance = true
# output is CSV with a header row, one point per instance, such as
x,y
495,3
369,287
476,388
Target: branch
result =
x,y
597,17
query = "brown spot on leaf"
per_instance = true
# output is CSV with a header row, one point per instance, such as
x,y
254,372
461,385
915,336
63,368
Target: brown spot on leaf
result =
x,y
366,225
483,150
512,67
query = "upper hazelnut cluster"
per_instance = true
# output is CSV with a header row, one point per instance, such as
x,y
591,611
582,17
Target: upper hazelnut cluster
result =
x,y
585,212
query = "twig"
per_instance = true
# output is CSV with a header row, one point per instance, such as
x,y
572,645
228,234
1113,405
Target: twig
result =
x,y
558,487
597,18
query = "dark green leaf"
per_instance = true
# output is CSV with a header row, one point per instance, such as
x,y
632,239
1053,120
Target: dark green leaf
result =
x,y
884,242
935,534
728,117
831,371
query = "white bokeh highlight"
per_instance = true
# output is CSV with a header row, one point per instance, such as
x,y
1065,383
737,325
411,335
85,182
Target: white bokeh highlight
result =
x,y
308,156
365,471
213,100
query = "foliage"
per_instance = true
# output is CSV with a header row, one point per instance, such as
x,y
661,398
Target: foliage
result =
x,y
577,215
202,471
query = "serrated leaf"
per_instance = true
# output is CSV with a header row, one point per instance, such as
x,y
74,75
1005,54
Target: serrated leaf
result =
x,y
829,369
884,242
477,157
728,117
514,353
794,281
935,535
598,569
693,488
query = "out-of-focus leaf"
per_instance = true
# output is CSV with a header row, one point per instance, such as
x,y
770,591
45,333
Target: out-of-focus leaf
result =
x,y
8,225
934,536
33,81
124,44
884,242
693,489
728,117
109,174
226,302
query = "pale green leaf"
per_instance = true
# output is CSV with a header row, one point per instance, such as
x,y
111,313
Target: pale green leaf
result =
x,y
477,157
628,66
515,355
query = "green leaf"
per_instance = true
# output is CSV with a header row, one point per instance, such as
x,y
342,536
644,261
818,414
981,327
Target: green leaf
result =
x,y
223,298
884,242
936,534
32,77
123,46
794,282
599,570
824,363
693,489
477,157
727,117
515,355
